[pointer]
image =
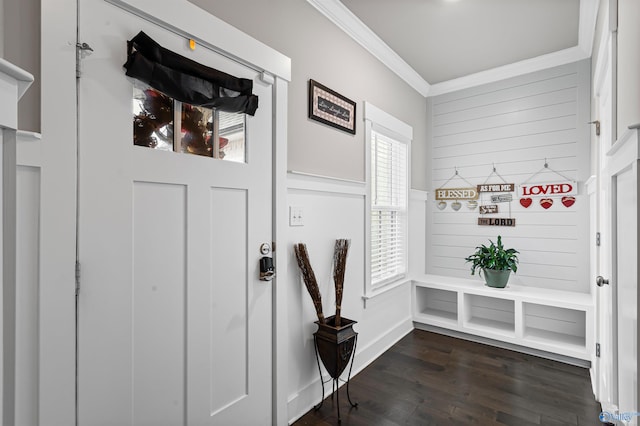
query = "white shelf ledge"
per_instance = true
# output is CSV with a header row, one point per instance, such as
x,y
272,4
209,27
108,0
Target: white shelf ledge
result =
x,y
550,297
23,78
494,326
438,315
549,337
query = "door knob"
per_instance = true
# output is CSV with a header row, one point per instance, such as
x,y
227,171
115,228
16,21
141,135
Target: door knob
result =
x,y
601,281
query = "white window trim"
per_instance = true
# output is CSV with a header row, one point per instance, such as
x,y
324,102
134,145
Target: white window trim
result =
x,y
379,121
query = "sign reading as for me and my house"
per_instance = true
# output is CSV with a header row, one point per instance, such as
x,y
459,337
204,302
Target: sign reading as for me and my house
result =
x,y
497,187
548,189
489,209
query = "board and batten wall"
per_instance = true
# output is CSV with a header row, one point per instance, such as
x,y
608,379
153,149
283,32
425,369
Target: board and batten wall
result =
x,y
333,209
515,125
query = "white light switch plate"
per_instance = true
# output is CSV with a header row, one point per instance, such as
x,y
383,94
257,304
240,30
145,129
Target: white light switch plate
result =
x,y
296,216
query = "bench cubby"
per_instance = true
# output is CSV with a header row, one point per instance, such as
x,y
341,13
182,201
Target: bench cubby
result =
x,y
553,321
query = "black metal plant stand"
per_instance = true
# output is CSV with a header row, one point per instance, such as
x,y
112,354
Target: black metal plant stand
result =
x,y
335,346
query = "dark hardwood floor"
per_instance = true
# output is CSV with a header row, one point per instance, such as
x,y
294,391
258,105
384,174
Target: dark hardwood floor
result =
x,y
430,379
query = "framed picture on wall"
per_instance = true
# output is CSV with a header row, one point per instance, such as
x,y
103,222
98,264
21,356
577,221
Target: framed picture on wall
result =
x,y
330,107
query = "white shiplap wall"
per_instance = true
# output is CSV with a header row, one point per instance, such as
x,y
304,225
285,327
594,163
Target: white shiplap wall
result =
x,y
515,125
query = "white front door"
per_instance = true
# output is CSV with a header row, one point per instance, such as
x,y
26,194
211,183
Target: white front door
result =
x,y
174,326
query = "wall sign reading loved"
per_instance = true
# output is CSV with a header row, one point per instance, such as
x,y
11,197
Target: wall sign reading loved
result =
x,y
548,189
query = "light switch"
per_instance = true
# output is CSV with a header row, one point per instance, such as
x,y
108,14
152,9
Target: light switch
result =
x,y
296,216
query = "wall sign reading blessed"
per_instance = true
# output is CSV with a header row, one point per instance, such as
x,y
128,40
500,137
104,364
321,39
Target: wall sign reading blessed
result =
x,y
456,194
329,107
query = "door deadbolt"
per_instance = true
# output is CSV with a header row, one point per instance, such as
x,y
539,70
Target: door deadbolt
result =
x,y
267,271
600,281
265,249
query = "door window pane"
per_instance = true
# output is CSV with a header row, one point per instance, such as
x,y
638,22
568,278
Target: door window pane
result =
x,y
196,130
152,119
232,136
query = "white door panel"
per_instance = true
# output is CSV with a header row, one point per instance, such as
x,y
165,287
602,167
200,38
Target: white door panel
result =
x,y
174,325
626,190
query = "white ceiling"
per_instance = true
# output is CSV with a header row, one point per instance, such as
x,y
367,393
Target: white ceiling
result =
x,y
443,45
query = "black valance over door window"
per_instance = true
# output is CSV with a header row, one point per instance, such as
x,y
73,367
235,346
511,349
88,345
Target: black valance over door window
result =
x,y
186,80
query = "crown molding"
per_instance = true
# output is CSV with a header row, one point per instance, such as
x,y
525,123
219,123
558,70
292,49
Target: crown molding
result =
x,y
342,17
550,60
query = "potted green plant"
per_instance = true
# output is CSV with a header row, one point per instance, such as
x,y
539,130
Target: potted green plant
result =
x,y
495,261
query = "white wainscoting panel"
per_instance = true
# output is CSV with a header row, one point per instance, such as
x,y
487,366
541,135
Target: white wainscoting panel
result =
x,y
334,209
418,204
515,126
27,294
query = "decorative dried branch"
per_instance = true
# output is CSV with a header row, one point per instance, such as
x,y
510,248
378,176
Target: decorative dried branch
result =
x,y
309,278
339,266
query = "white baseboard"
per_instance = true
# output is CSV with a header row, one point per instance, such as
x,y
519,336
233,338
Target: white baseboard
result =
x,y
300,403
504,345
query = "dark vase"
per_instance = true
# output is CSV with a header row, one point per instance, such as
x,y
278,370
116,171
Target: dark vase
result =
x,y
335,344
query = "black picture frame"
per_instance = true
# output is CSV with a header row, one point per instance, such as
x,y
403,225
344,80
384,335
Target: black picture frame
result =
x,y
331,108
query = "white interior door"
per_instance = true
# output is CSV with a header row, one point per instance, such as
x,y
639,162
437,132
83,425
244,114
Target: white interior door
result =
x,y
605,364
174,324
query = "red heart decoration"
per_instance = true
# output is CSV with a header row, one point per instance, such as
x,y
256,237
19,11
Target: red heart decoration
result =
x,y
568,201
546,203
525,202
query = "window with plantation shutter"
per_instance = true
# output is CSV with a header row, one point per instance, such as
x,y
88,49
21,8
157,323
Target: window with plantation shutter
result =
x,y
388,151
389,189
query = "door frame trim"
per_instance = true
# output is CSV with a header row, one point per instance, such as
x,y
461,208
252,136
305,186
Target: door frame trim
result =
x,y
57,152
202,27
624,155
605,64
280,360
